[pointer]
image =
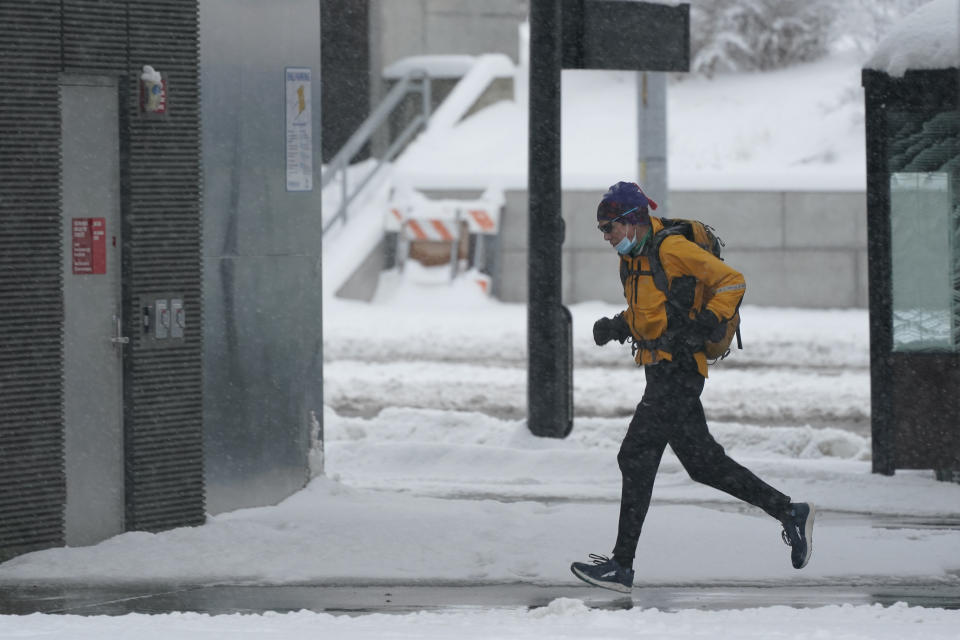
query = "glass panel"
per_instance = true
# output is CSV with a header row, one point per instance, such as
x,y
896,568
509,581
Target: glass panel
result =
x,y
922,221
924,164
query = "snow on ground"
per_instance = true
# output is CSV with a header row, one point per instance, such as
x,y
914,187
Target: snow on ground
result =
x,y
798,128
433,484
562,618
437,485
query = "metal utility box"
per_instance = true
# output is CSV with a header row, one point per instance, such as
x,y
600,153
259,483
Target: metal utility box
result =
x,y
262,240
913,218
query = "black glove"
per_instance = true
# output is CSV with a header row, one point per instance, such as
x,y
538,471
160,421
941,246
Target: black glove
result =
x,y
607,329
706,327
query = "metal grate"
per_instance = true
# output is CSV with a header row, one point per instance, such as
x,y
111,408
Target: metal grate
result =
x,y
95,36
162,254
32,481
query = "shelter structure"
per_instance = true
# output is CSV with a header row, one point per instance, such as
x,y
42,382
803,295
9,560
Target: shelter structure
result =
x,y
912,91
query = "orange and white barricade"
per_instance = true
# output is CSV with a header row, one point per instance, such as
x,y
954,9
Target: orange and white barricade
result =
x,y
439,231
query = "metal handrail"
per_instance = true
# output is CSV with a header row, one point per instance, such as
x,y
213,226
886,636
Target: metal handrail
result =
x,y
415,81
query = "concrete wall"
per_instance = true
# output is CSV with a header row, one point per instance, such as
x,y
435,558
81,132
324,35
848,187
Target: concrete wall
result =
x,y
399,29
418,27
805,249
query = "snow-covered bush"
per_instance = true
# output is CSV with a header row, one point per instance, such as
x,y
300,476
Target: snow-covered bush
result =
x,y
746,35
862,23
757,35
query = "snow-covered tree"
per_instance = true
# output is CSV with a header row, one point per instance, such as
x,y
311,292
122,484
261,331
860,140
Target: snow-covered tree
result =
x,y
733,35
751,35
862,23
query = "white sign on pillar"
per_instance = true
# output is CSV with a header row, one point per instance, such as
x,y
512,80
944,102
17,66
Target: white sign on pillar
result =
x,y
299,129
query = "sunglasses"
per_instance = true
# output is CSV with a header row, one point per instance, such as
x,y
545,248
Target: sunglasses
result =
x,y
607,227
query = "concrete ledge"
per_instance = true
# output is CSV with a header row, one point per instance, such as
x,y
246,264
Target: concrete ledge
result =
x,y
821,278
803,249
753,219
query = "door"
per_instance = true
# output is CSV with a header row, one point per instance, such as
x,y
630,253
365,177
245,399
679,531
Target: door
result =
x,y
93,346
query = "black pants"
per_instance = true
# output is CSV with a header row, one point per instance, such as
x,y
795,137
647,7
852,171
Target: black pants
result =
x,y
670,413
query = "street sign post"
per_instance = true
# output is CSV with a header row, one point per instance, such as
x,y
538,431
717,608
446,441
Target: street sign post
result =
x,y
575,34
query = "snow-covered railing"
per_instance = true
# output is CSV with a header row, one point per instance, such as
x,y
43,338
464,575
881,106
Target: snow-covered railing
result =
x,y
484,70
415,81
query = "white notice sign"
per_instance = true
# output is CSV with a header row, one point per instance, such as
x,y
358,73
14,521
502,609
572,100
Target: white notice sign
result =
x,y
299,130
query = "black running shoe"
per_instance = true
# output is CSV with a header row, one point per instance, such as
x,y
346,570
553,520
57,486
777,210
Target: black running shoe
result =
x,y
604,572
798,533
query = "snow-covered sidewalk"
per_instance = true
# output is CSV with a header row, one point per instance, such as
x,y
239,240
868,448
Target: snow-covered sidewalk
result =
x,y
432,478
451,494
330,533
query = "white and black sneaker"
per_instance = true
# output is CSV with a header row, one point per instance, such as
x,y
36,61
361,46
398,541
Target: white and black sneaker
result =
x,y
798,533
604,572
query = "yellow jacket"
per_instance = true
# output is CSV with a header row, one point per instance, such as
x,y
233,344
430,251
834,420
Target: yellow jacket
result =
x,y
646,312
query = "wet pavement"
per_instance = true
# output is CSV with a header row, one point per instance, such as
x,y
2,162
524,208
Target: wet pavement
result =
x,y
356,600
217,599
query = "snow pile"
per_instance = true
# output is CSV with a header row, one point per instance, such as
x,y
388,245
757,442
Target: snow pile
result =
x,y
347,243
799,128
929,38
401,426
791,442
333,534
484,70
437,329
561,618
449,347
796,128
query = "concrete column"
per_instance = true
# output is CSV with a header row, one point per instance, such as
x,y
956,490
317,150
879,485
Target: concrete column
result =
x,y
652,137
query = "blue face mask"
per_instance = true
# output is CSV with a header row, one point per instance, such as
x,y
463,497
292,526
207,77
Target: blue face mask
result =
x,y
626,245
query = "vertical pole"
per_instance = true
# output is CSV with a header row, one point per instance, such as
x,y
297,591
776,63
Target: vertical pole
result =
x,y
652,137
882,426
427,98
342,213
455,246
549,375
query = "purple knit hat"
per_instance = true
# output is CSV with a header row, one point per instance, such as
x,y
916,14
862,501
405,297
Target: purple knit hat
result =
x,y
627,202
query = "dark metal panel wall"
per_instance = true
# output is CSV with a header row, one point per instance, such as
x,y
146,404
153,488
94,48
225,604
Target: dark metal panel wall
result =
x,y
925,408
914,404
162,248
345,51
161,180
95,36
32,482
